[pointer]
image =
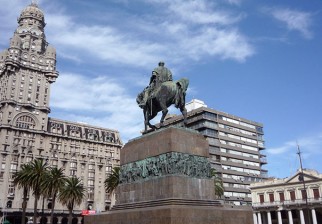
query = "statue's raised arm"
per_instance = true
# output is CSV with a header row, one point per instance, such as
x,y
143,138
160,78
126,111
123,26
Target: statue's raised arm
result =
x,y
161,93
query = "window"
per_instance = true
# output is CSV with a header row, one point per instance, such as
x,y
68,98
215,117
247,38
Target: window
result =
x,y
304,194
91,175
209,132
9,204
54,163
90,183
3,165
261,198
25,122
13,167
90,194
316,193
209,115
11,189
271,197
282,198
292,195
91,167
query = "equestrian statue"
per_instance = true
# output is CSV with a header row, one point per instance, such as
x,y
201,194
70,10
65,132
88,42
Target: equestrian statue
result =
x,y
161,93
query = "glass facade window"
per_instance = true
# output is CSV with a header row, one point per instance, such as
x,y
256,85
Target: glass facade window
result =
x,y
209,132
209,115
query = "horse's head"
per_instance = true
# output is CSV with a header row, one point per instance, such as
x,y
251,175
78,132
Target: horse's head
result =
x,y
139,99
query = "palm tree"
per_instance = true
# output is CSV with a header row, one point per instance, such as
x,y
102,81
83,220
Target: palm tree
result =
x,y
21,180
112,180
38,173
219,187
72,194
54,181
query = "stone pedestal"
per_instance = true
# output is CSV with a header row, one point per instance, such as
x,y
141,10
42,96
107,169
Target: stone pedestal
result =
x,y
165,178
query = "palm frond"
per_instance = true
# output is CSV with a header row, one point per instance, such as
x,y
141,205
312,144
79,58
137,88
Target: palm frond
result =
x,y
112,181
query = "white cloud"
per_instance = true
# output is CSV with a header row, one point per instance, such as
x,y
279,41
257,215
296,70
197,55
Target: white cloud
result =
x,y
310,146
201,12
294,19
179,31
225,44
99,101
140,42
286,147
284,158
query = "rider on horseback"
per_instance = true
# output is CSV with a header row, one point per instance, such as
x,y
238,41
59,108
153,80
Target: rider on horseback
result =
x,y
160,94
159,75
163,74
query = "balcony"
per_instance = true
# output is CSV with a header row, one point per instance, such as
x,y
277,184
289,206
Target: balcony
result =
x,y
288,203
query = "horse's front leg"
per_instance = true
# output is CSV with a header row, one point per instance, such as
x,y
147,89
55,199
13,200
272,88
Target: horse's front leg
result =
x,y
147,119
184,113
164,113
153,127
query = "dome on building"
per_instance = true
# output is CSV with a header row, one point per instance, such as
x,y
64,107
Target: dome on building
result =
x,y
32,11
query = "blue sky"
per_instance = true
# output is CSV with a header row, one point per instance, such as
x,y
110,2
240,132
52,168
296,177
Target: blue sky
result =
x,y
260,60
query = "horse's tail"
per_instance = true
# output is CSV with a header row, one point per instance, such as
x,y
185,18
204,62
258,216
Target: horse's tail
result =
x,y
180,98
184,83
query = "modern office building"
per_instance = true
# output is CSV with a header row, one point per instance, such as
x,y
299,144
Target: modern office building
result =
x,y
235,147
293,200
27,70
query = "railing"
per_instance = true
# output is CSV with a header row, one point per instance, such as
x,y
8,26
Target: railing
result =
x,y
288,202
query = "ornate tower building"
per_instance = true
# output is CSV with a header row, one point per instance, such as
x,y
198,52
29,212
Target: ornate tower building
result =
x,y
27,70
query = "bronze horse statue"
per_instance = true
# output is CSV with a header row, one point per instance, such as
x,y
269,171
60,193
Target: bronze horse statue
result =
x,y
165,95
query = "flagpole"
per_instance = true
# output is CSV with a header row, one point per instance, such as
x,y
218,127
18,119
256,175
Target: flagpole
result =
x,y
301,178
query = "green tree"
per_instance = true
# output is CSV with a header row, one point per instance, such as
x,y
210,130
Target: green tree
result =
x,y
37,175
112,181
54,181
72,194
219,187
21,180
